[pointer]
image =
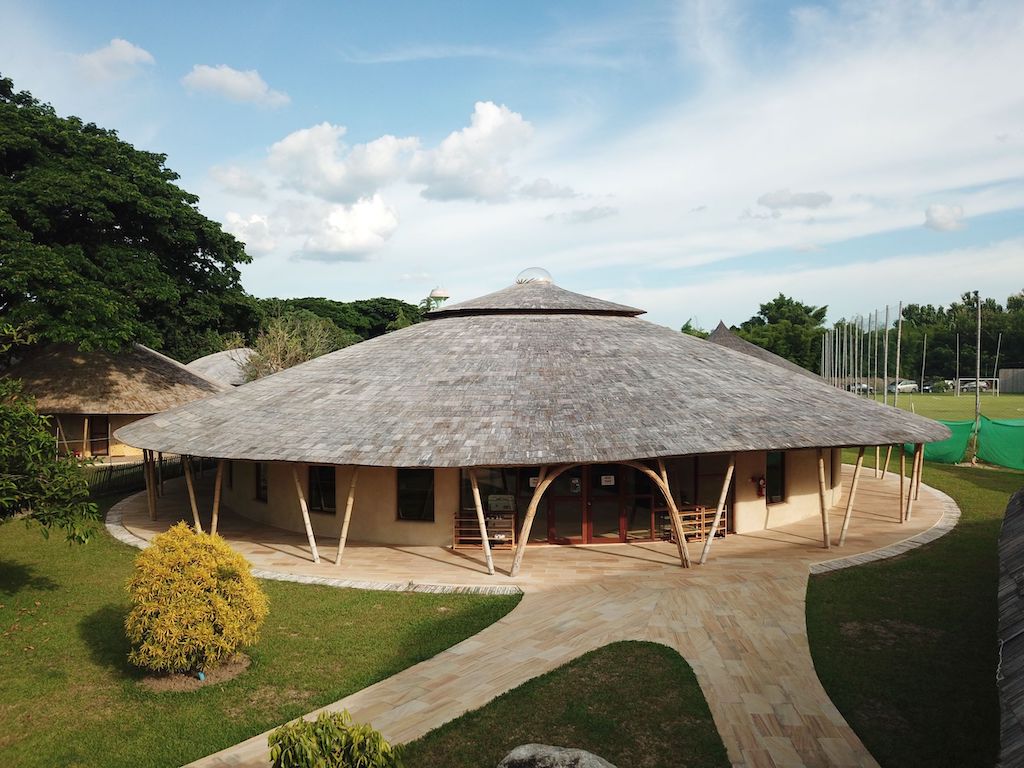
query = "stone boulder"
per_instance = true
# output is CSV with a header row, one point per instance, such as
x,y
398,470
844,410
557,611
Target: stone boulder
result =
x,y
543,756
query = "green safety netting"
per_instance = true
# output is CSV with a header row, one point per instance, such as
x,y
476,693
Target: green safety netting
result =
x,y
952,449
1001,441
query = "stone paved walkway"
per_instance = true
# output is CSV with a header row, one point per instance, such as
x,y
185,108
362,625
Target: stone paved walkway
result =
x,y
738,621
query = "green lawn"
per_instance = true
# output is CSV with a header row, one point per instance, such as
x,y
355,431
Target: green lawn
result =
x,y
70,698
940,405
636,704
906,647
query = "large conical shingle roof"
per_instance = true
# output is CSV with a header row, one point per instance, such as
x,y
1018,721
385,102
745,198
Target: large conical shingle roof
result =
x,y
532,374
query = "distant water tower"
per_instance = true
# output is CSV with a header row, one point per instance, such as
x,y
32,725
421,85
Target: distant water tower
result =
x,y
435,299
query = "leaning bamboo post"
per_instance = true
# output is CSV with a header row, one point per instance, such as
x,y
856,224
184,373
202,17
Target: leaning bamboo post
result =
x,y
915,469
903,472
826,535
673,516
349,503
718,511
878,458
853,493
63,436
480,519
305,515
888,455
544,480
160,473
190,482
218,479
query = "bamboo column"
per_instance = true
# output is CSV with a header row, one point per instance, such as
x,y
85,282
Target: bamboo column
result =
x,y
86,445
853,493
160,473
821,500
147,471
888,455
480,519
673,516
192,492
543,481
719,509
917,490
218,479
878,458
903,472
305,515
348,515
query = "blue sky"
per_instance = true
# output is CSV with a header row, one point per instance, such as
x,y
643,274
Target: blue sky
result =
x,y
692,158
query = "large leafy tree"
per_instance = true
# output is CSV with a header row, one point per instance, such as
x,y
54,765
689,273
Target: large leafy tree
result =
x,y
366,318
99,246
788,328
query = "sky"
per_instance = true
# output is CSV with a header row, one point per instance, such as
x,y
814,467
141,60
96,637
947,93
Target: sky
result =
x,y
694,159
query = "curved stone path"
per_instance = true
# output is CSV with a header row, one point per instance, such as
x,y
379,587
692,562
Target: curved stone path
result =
x,y
738,621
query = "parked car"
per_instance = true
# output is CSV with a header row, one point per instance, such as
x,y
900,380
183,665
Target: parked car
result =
x,y
970,385
903,385
861,388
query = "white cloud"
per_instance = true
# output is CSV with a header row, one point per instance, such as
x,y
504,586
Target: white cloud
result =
x,y
783,198
472,163
586,215
252,230
545,189
234,84
238,181
351,233
117,60
944,218
317,161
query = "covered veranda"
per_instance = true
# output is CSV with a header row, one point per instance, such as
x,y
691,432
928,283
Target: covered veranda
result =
x,y
874,522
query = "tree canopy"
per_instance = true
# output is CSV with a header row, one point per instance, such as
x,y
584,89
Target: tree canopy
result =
x,y
99,247
366,318
788,328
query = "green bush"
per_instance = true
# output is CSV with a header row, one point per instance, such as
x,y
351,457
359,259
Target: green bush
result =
x,y
331,741
194,603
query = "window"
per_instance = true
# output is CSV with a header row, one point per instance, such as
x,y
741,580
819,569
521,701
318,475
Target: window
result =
x,y
775,477
416,494
321,489
261,481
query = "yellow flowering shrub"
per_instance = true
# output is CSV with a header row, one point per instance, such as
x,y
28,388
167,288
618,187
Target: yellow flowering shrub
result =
x,y
194,603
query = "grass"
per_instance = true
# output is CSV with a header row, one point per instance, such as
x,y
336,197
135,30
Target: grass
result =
x,y
949,407
71,699
906,647
635,704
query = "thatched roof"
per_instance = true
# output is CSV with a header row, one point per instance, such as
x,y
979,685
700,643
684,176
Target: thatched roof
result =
x,y
726,338
525,388
225,367
137,380
545,298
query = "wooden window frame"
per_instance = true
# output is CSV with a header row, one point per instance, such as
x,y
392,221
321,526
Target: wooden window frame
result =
x,y
313,507
782,471
261,481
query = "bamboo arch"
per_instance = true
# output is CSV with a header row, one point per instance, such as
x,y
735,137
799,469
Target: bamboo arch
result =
x,y
549,474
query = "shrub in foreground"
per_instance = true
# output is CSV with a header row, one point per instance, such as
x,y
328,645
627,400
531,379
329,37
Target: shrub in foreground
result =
x,y
194,603
331,741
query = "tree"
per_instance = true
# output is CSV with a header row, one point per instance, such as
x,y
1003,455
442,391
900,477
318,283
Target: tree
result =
x,y
366,318
692,330
99,247
788,328
50,491
291,339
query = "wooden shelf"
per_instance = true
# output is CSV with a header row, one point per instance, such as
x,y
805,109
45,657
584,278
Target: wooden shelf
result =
x,y
501,529
697,521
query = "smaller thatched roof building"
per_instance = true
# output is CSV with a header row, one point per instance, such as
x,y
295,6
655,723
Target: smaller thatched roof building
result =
x,y
226,367
724,337
91,393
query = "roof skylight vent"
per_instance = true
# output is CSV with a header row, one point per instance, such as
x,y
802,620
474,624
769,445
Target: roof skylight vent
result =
x,y
534,275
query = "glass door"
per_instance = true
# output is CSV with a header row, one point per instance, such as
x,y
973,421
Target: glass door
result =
x,y
604,503
565,508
